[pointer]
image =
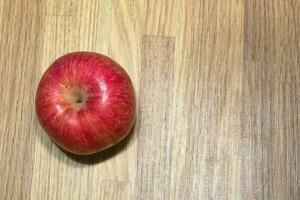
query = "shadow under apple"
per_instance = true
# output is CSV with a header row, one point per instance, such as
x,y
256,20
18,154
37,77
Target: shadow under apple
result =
x,y
103,155
65,156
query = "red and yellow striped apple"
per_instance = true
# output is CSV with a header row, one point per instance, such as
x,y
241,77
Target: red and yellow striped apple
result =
x,y
85,102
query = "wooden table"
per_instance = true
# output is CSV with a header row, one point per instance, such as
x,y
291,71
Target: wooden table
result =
x,y
218,92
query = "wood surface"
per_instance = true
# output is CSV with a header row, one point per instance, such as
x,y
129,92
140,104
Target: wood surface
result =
x,y
218,89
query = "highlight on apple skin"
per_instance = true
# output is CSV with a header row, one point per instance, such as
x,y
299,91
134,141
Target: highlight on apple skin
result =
x,y
85,102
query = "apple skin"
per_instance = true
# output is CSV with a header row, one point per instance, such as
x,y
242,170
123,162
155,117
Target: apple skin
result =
x,y
85,102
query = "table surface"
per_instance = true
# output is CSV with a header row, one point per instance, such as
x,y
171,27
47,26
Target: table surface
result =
x,y
218,89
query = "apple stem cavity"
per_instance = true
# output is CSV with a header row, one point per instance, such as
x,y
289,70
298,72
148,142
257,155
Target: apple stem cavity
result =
x,y
76,96
79,100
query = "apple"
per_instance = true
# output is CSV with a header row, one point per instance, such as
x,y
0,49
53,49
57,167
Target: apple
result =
x,y
85,102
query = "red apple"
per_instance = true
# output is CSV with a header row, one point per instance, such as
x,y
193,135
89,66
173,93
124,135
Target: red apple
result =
x,y
85,102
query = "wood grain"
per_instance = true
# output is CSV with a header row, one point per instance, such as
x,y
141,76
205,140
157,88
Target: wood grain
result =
x,y
218,89
155,142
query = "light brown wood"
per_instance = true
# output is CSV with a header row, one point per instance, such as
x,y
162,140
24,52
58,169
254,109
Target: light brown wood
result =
x,y
218,89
